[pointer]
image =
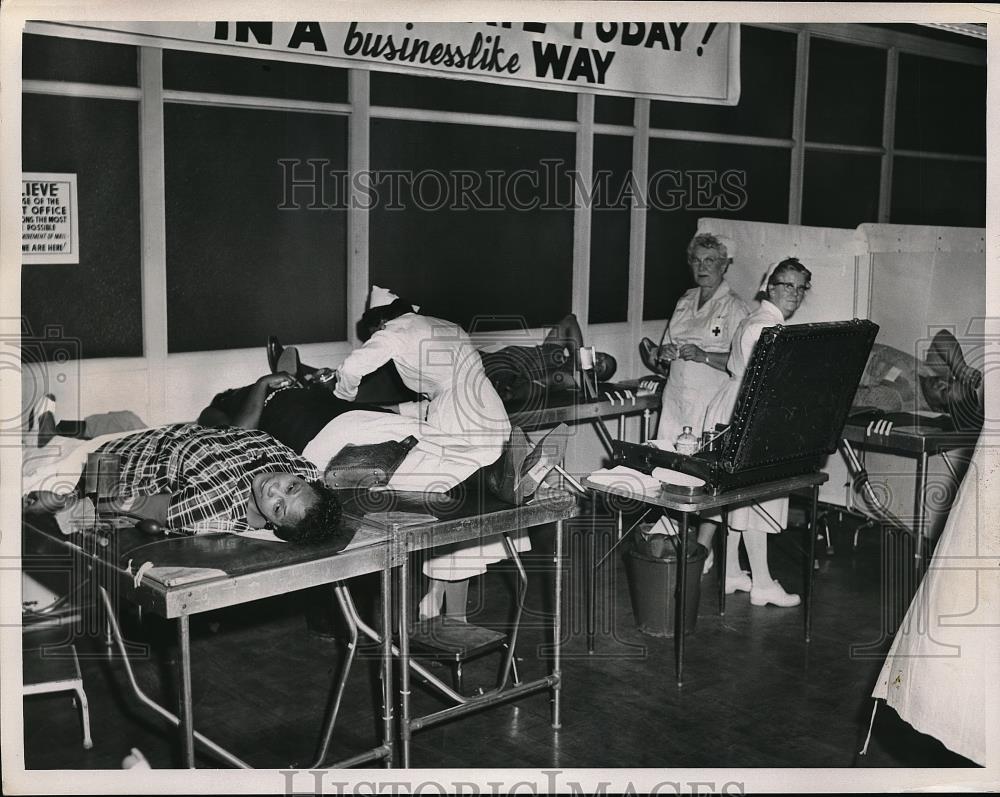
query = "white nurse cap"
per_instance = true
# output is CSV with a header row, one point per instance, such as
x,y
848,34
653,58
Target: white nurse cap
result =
x,y
381,297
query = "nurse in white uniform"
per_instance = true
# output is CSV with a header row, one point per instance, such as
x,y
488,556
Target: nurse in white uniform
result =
x,y
699,336
464,415
782,291
697,342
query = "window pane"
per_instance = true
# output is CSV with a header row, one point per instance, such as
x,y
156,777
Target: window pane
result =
x,y
78,61
614,110
241,267
840,189
929,191
255,77
940,106
97,302
767,80
500,246
690,180
442,94
609,231
846,97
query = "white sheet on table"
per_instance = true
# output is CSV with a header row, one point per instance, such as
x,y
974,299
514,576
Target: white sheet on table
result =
x,y
58,466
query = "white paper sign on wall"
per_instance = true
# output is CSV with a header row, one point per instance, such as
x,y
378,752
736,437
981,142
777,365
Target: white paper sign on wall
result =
x,y
49,218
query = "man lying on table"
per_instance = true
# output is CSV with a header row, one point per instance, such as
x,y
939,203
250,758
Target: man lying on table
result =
x,y
197,479
895,381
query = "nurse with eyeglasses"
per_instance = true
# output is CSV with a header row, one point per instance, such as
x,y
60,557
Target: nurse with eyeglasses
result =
x,y
781,293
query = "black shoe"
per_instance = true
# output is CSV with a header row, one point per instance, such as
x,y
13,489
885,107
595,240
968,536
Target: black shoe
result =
x,y
547,453
274,350
503,475
46,429
289,362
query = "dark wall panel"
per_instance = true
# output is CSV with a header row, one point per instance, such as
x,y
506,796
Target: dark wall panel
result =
x,y
846,96
97,303
947,193
736,182
940,106
840,189
504,249
609,231
470,96
767,83
239,265
79,61
256,77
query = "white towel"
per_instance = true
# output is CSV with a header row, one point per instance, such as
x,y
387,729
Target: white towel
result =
x,y
627,479
677,478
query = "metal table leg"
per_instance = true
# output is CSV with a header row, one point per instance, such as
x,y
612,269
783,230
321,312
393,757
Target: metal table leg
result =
x,y
404,661
343,598
119,640
723,532
557,630
590,563
387,695
187,707
810,570
680,624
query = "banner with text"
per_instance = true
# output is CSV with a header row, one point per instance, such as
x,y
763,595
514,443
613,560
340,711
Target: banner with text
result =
x,y
49,218
682,61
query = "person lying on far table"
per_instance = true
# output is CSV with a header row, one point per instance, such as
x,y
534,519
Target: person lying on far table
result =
x,y
897,382
519,372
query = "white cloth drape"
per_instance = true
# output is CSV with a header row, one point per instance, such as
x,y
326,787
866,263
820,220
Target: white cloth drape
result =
x,y
941,671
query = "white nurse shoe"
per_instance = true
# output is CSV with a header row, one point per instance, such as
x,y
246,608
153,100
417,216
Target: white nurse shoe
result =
x,y
740,583
763,594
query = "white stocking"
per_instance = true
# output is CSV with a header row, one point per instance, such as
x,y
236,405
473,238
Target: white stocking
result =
x,y
756,543
733,553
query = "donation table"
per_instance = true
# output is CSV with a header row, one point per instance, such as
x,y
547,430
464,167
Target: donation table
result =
x,y
706,503
474,516
178,576
921,443
614,400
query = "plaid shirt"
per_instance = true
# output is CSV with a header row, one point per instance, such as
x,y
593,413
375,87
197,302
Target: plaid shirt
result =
x,y
208,472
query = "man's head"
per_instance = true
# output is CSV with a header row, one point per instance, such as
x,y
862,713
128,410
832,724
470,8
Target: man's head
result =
x,y
962,399
605,366
299,510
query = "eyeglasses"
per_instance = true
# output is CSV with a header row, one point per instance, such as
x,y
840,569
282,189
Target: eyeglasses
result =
x,y
710,262
791,287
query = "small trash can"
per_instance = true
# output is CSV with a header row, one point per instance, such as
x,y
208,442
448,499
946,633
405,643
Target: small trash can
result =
x,y
652,583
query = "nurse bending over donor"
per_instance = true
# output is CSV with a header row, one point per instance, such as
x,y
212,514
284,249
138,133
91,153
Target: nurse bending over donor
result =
x,y
517,373
197,479
462,429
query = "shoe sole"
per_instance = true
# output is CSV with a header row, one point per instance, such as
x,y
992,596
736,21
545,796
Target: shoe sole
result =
x,y
768,602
